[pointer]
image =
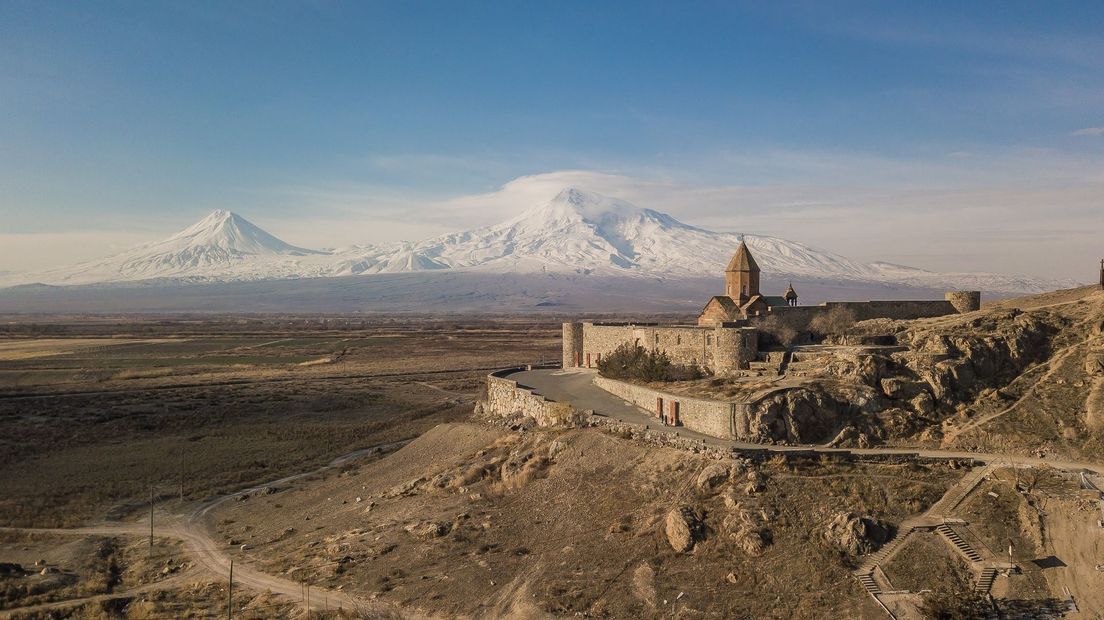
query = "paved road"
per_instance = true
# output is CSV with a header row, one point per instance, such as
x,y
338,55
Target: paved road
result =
x,y
577,387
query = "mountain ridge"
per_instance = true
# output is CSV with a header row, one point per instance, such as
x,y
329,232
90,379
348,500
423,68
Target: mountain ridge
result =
x,y
576,232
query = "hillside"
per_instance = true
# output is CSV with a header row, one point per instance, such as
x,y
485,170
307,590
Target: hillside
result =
x,y
1019,376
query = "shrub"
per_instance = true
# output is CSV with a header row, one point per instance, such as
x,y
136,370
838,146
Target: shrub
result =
x,y
630,361
774,331
835,321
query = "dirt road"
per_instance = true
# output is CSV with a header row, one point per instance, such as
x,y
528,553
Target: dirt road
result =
x,y
210,556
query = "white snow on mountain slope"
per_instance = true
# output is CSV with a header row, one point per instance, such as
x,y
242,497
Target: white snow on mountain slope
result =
x,y
222,245
576,232
582,232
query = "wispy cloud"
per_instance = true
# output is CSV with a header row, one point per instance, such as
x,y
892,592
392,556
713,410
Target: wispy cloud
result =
x,y
1089,131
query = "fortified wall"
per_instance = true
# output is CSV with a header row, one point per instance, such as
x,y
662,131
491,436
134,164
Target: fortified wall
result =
x,y
724,419
728,346
717,349
800,317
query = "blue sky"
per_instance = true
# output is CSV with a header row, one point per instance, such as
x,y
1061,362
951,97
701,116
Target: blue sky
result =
x,y
951,132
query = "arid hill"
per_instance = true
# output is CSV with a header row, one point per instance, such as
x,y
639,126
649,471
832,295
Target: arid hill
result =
x,y
476,521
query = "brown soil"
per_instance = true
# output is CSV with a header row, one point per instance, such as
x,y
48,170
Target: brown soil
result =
x,y
440,529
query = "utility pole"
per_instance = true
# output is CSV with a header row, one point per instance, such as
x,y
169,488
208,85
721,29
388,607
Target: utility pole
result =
x,y
230,593
181,474
308,601
151,522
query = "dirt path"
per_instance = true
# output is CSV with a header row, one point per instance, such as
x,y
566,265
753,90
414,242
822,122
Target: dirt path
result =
x,y
210,556
1073,537
1054,364
128,593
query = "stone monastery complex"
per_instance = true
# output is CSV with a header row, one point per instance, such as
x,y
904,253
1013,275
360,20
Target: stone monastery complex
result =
x,y
726,337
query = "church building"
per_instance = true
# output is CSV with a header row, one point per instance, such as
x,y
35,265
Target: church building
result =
x,y
742,298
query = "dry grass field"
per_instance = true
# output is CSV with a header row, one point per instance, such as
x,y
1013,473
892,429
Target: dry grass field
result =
x,y
94,413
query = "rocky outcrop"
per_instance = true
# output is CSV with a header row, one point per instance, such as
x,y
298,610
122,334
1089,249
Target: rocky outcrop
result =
x,y
854,535
749,529
810,414
961,360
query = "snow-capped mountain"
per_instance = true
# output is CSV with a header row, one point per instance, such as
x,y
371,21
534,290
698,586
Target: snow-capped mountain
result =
x,y
221,246
583,232
576,232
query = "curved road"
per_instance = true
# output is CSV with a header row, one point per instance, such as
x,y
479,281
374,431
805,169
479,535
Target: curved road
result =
x,y
577,387
211,556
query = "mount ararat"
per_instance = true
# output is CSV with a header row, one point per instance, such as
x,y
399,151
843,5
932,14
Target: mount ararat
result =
x,y
576,232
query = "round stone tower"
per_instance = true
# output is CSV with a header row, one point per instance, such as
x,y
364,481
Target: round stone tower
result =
x,y
572,345
964,301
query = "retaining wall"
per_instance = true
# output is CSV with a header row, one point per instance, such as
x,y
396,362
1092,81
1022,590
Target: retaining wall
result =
x,y
722,419
506,397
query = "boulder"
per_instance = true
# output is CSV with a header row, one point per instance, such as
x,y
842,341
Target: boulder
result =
x,y
429,530
855,535
713,476
683,528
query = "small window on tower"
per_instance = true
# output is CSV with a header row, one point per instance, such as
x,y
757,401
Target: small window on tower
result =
x,y
678,339
708,339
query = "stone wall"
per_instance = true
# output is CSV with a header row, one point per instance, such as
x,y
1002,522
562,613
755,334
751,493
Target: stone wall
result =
x,y
505,398
726,420
800,317
718,349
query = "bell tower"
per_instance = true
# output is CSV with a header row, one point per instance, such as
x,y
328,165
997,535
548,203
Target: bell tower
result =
x,y
742,275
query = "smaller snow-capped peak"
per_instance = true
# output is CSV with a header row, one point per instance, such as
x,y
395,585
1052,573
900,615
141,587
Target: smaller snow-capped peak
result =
x,y
229,231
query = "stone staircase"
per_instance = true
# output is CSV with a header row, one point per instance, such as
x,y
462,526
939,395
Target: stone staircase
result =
x,y
961,545
891,545
985,580
934,519
867,581
962,488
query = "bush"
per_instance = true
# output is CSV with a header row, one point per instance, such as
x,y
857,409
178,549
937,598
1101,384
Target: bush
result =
x,y
774,331
633,362
836,321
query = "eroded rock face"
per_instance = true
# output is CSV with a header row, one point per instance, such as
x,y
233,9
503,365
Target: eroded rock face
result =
x,y
683,528
882,393
855,535
963,359
810,414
